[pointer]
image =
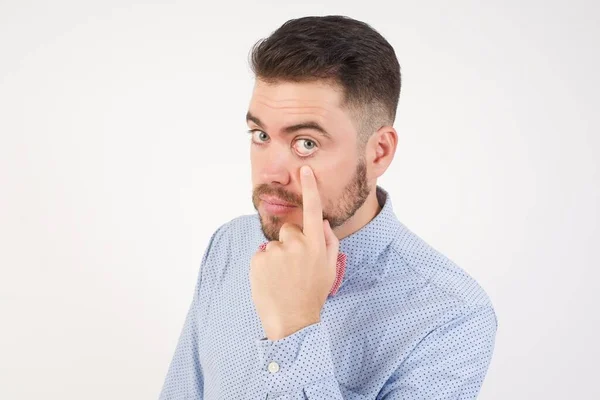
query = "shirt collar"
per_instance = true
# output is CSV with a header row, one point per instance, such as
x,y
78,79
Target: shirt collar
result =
x,y
365,246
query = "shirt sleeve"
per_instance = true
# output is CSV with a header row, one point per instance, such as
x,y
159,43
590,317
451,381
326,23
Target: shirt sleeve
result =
x,y
184,377
450,363
299,366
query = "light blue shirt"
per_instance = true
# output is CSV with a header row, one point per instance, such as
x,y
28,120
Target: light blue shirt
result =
x,y
406,323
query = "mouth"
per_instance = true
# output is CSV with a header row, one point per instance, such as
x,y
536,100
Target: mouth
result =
x,y
276,202
273,205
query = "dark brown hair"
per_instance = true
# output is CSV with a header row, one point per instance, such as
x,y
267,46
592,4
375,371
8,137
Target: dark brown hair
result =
x,y
341,50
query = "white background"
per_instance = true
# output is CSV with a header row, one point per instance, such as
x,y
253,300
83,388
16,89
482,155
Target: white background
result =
x,y
123,147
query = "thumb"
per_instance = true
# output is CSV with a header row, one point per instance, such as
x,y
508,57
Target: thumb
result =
x,y
332,243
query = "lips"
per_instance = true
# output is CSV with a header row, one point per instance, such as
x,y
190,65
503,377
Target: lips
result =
x,y
276,201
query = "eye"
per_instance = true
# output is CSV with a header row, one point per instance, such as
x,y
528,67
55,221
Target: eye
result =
x,y
258,136
306,147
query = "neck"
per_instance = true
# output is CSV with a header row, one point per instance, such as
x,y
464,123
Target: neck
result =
x,y
361,217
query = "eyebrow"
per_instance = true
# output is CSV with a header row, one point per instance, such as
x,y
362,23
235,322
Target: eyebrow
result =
x,y
313,125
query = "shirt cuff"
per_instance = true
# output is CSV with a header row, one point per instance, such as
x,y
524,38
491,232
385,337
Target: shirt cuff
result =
x,y
296,361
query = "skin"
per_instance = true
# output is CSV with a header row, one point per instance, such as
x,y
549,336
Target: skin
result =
x,y
340,191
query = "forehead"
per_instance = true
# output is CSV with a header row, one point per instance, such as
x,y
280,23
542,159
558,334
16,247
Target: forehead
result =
x,y
282,101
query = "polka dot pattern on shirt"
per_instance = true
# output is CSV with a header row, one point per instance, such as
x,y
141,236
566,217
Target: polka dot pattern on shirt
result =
x,y
405,323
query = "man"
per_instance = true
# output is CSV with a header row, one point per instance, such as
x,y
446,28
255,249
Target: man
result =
x,y
324,293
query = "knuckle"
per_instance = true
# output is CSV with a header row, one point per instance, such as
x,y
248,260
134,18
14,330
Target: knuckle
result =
x,y
285,227
271,246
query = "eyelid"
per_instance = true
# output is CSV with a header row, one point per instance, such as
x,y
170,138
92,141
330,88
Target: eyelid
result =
x,y
256,130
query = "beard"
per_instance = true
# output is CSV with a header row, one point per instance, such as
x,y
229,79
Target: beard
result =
x,y
337,211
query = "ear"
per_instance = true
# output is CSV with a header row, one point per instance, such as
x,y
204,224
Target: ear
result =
x,y
380,150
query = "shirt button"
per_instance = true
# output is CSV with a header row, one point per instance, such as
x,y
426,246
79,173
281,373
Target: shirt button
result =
x,y
273,367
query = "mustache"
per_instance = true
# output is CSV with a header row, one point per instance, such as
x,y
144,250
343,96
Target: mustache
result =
x,y
264,189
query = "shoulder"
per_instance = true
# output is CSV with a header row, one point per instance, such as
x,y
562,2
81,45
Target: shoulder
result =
x,y
439,271
241,231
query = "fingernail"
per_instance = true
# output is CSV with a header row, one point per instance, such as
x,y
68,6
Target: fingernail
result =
x,y
305,170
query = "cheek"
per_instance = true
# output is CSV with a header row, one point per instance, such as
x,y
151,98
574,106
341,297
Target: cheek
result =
x,y
255,164
331,172
328,181
332,178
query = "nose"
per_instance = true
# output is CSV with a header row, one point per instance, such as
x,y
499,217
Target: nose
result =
x,y
275,167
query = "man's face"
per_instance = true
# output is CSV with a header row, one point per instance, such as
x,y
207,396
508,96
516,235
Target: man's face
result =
x,y
293,124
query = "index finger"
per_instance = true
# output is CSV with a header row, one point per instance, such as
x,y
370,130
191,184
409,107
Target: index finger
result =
x,y
312,211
